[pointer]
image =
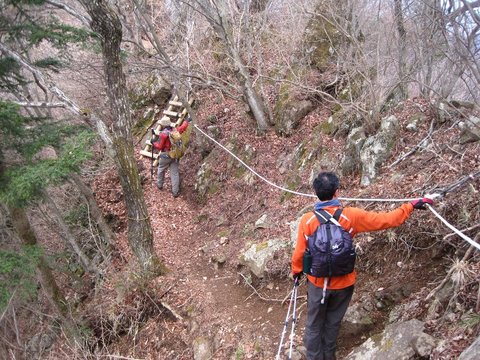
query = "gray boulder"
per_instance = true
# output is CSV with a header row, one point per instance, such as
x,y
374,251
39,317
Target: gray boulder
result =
x,y
45,153
263,222
204,181
377,149
443,112
351,157
294,232
39,344
357,321
289,113
154,91
202,349
472,352
423,345
203,145
469,130
256,257
399,312
395,343
414,121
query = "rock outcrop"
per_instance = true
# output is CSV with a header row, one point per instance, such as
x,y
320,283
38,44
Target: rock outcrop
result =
x,y
256,257
377,148
400,341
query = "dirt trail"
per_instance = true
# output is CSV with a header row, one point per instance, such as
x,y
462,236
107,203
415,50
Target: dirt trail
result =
x,y
222,306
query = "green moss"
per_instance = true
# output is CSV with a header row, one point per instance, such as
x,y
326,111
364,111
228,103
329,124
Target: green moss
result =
x,y
190,309
377,338
285,92
223,233
239,353
212,119
213,188
261,246
387,345
239,172
247,231
322,37
292,184
143,124
78,215
337,108
201,218
327,127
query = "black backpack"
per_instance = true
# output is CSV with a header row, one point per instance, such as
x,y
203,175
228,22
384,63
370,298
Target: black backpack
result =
x,y
330,249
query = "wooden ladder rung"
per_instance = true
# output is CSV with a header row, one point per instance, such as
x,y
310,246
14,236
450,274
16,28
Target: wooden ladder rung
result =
x,y
148,154
168,114
171,113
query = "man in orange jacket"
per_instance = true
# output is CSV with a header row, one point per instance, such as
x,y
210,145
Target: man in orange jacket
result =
x,y
325,316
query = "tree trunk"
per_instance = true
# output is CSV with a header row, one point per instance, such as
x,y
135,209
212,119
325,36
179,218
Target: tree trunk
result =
x,y
253,99
215,15
22,227
402,50
107,233
49,285
140,236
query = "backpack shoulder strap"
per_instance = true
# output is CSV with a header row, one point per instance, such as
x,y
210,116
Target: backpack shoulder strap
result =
x,y
325,217
337,213
322,216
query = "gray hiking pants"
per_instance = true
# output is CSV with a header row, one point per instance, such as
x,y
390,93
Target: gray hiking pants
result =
x,y
323,321
165,163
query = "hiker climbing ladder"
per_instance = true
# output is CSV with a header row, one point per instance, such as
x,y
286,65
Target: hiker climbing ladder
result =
x,y
176,113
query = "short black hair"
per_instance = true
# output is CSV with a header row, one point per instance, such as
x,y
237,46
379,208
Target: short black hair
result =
x,y
325,185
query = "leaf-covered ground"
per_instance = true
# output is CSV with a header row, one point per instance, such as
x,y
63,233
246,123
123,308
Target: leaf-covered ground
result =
x,y
215,301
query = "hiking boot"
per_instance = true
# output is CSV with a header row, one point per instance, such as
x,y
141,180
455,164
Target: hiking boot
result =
x,y
176,195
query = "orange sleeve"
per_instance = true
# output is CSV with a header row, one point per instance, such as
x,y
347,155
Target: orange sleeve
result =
x,y
301,245
363,221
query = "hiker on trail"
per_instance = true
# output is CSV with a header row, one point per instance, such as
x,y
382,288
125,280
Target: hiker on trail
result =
x,y
167,158
328,297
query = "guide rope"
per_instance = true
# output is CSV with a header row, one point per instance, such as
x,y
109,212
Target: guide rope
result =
x,y
430,196
292,191
450,226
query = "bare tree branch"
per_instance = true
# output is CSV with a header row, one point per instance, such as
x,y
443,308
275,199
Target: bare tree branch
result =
x,y
40,104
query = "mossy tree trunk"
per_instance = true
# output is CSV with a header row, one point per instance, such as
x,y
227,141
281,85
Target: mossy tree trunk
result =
x,y
402,51
25,232
140,236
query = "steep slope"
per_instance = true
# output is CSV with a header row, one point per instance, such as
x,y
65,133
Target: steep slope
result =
x,y
239,321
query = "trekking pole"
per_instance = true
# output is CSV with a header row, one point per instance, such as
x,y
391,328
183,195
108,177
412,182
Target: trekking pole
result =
x,y
285,326
151,144
294,319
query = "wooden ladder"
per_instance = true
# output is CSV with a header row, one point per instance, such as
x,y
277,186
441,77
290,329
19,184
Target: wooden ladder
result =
x,y
175,110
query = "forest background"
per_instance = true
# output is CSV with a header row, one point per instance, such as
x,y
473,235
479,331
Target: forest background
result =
x,y
96,262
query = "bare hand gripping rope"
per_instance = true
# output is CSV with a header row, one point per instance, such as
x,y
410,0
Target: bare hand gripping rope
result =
x,y
431,196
